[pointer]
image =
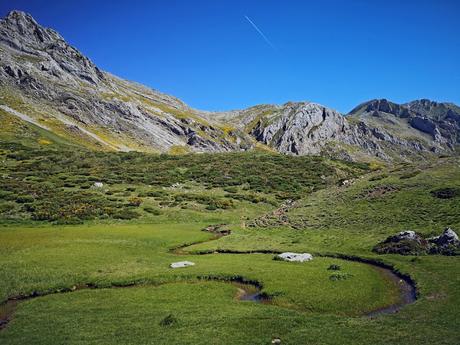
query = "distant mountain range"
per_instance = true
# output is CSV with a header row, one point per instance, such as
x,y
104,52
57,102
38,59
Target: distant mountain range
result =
x,y
48,86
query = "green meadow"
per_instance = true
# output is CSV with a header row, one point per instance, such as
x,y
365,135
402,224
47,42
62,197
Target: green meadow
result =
x,y
60,232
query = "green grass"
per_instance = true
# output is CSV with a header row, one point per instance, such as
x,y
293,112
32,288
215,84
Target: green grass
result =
x,y
180,195
206,313
45,259
104,255
306,300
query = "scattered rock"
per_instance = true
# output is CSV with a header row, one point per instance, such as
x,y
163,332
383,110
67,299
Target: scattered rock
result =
x,y
219,229
405,235
295,257
448,237
411,243
182,264
404,243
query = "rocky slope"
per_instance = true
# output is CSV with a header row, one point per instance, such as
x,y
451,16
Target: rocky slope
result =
x,y
395,130
51,85
47,80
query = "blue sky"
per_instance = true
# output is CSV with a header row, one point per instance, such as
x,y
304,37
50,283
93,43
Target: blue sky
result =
x,y
335,52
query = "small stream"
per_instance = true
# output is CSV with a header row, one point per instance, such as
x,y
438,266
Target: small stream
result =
x,y
248,290
407,292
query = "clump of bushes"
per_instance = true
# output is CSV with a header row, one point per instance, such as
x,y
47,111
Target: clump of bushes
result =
x,y
126,214
135,201
152,210
378,177
340,276
24,199
446,193
151,194
231,189
167,321
58,180
334,267
410,174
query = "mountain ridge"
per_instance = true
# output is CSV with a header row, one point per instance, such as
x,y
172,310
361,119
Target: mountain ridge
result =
x,y
45,79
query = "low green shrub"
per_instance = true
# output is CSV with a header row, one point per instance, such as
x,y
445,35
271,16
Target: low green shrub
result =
x,y
168,321
152,210
126,214
24,199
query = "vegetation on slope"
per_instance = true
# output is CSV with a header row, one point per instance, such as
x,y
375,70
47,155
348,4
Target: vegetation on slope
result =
x,y
47,184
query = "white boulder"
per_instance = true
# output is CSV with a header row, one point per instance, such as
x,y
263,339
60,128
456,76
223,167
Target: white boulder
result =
x,y
408,235
447,237
182,264
297,257
98,184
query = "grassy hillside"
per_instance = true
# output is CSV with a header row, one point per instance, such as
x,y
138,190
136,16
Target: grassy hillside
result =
x,y
59,183
60,232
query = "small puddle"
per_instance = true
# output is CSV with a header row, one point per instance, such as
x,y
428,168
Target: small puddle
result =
x,y
251,293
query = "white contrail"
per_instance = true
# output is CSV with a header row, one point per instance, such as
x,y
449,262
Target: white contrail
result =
x,y
260,32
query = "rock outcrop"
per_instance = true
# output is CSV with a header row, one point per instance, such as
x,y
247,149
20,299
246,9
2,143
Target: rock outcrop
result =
x,y
411,243
448,238
301,128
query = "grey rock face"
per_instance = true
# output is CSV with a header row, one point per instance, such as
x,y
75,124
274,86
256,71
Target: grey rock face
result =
x,y
42,77
418,127
427,126
385,106
444,116
51,78
300,128
21,32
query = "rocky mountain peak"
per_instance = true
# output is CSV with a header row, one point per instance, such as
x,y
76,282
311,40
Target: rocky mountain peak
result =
x,y
44,49
20,18
19,26
382,105
432,109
